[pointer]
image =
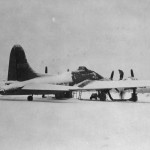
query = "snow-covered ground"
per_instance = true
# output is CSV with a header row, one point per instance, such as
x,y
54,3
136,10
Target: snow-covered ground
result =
x,y
74,124
141,97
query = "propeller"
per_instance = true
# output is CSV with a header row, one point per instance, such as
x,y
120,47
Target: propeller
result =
x,y
46,70
121,74
111,78
132,73
112,75
121,94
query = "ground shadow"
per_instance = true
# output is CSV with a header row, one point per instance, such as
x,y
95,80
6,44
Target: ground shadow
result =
x,y
116,101
48,100
54,100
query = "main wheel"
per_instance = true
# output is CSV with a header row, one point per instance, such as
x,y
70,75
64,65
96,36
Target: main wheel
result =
x,y
134,97
102,96
30,98
93,96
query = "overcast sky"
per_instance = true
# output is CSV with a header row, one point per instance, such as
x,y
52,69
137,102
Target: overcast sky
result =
x,y
103,35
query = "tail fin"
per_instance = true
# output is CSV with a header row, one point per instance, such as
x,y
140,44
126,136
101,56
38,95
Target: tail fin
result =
x,y
19,69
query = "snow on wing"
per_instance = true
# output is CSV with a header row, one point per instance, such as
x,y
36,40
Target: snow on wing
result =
x,y
46,87
97,85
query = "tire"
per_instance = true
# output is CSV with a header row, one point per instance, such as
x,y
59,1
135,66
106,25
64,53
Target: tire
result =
x,y
134,98
102,96
30,98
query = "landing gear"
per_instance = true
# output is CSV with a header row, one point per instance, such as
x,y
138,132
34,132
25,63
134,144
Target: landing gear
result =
x,y
134,97
93,96
30,98
80,94
102,95
110,95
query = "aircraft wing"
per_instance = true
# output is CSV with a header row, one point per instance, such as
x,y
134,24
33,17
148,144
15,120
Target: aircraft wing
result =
x,y
98,85
43,88
46,87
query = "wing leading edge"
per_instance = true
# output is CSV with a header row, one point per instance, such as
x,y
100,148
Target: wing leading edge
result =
x,y
94,85
98,85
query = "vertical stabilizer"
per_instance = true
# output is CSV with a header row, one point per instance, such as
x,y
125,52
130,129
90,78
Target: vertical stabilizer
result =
x,y
19,69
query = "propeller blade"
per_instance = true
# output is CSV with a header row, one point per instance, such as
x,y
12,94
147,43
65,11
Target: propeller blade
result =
x,y
121,94
112,75
46,69
121,74
132,73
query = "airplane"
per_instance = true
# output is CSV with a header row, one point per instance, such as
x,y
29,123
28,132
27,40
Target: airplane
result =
x,y
23,80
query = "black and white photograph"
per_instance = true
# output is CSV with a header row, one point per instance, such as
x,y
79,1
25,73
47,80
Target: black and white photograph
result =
x,y
74,74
